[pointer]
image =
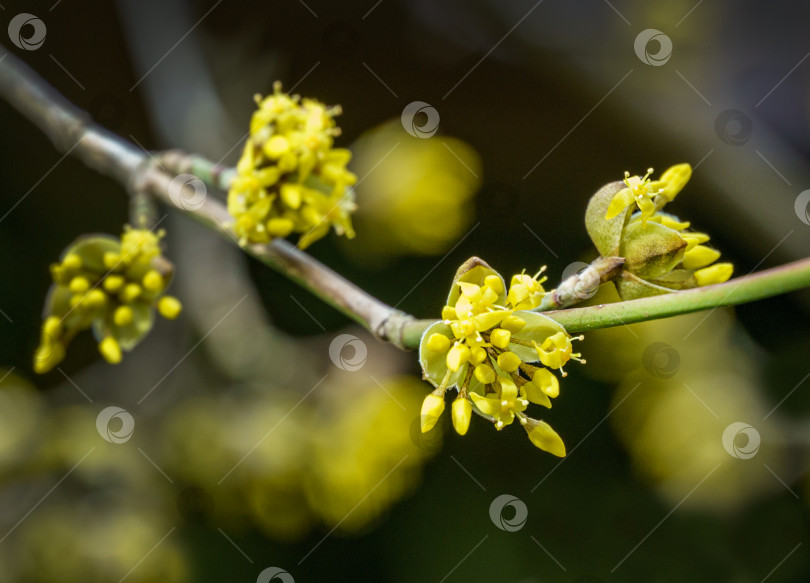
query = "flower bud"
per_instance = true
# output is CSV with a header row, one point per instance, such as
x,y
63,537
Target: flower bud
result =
x,y
461,413
432,409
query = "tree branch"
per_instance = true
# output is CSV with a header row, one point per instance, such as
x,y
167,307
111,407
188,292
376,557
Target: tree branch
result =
x,y
72,132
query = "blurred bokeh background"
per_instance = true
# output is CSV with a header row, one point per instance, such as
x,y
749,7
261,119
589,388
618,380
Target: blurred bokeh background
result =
x,y
252,449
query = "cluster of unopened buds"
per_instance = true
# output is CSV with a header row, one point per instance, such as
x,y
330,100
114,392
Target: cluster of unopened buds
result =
x,y
112,285
495,353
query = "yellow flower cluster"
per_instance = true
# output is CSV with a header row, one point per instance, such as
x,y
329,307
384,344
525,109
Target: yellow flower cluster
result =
x,y
484,346
290,179
112,285
661,254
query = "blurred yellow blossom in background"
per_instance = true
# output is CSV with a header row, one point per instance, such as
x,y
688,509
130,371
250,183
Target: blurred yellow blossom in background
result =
x,y
415,195
683,383
340,460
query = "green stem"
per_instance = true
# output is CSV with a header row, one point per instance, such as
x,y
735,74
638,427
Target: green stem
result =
x,y
768,283
765,284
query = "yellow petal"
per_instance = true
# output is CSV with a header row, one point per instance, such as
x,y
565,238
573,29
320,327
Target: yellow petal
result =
x,y
485,405
547,382
494,283
513,323
518,293
700,256
717,273
470,290
463,307
620,201
536,395
672,223
509,390
487,320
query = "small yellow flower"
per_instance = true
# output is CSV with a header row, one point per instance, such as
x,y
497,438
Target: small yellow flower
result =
x,y
526,292
503,403
290,178
108,284
649,195
556,350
